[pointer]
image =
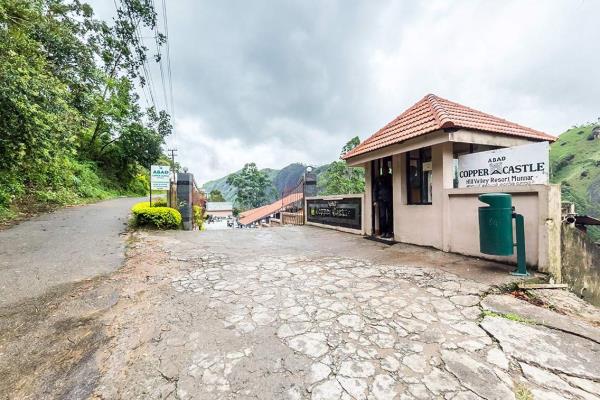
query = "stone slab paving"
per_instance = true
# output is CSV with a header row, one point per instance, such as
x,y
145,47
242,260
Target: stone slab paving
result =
x,y
314,314
502,304
364,330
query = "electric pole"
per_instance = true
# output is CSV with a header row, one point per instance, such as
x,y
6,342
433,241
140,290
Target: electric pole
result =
x,y
173,154
170,194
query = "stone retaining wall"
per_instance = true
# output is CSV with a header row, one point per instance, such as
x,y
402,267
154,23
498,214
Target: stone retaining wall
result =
x,y
580,264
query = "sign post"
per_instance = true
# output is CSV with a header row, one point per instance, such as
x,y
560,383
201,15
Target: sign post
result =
x,y
159,178
520,165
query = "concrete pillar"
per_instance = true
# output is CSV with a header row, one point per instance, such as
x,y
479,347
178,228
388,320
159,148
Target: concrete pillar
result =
x,y
368,201
399,188
184,199
447,182
549,239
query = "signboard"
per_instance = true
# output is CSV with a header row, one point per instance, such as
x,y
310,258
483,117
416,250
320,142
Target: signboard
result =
x,y
343,212
521,165
159,177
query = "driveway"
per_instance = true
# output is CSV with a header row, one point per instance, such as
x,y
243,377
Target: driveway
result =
x,y
297,313
61,247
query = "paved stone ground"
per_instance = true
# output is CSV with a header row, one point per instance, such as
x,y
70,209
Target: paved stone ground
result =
x,y
301,313
295,313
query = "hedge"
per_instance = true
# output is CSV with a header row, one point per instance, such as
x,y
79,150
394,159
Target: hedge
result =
x,y
159,217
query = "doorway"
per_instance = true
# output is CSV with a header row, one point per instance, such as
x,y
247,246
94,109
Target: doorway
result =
x,y
382,195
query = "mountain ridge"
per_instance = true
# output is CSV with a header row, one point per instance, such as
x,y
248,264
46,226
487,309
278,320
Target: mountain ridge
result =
x,y
283,179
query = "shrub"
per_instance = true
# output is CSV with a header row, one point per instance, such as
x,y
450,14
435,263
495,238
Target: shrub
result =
x,y
140,185
159,217
198,218
159,203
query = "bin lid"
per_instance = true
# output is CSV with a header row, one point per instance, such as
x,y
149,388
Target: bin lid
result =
x,y
497,200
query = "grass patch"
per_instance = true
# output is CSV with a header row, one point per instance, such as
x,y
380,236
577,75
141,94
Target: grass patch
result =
x,y
509,316
522,392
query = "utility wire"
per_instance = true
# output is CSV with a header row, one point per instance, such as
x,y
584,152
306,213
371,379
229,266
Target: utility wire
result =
x,y
169,75
160,61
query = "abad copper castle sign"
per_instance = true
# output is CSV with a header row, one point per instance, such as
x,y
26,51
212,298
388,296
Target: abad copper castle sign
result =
x,y
521,165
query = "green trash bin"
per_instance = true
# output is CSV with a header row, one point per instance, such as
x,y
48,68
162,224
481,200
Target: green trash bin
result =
x,y
495,224
496,229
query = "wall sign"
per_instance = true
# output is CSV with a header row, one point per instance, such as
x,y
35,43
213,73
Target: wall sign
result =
x,y
159,177
343,212
521,165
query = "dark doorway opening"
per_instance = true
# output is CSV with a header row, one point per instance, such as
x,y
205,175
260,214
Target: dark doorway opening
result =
x,y
382,195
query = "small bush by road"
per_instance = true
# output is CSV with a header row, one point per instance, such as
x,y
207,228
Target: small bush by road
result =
x,y
146,214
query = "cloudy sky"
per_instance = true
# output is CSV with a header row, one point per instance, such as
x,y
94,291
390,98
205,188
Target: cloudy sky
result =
x,y
276,82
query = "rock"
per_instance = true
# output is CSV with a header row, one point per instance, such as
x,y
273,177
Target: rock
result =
x,y
357,369
357,388
476,376
588,386
390,363
416,362
318,372
542,377
383,340
419,391
505,304
351,321
439,381
312,344
383,388
548,380
496,356
466,396
465,300
292,329
328,390
539,394
555,350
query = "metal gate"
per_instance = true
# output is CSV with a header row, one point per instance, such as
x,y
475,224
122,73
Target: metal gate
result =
x,y
292,205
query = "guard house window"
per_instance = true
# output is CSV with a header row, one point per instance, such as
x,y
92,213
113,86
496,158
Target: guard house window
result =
x,y
419,176
466,148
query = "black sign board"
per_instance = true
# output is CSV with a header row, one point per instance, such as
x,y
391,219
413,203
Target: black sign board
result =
x,y
344,212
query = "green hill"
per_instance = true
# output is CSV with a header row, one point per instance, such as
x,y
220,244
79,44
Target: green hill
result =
x,y
575,164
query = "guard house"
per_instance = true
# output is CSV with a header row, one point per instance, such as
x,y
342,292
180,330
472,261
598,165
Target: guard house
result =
x,y
411,194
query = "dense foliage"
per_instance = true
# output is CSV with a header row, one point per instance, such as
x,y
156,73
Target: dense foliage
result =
x,y
71,126
253,187
575,163
215,195
339,178
148,215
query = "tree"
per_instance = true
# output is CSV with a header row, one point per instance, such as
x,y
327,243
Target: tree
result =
x,y
339,178
253,187
352,143
216,196
70,119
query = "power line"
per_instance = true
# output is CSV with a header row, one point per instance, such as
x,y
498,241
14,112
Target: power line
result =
x,y
169,75
160,60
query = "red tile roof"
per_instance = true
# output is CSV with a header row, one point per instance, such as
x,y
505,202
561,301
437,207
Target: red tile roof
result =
x,y
433,113
250,216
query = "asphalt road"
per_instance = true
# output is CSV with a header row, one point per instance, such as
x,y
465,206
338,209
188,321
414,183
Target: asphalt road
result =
x,y
62,247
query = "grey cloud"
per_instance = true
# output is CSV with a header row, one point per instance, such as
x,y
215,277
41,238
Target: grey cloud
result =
x,y
311,74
